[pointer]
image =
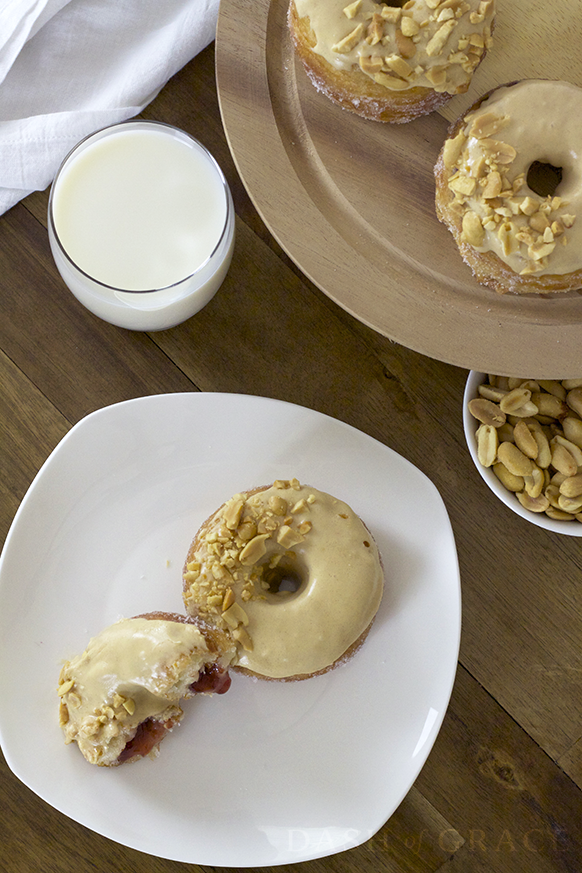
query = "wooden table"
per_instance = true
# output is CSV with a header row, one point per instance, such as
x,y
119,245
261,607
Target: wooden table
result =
x,y
501,790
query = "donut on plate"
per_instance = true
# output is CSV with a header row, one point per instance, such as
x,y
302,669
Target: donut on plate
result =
x,y
391,61
509,187
291,573
122,695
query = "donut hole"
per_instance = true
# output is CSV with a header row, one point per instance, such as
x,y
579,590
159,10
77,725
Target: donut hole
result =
x,y
286,579
543,178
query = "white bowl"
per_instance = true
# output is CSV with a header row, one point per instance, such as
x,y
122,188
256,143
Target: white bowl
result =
x,y
470,424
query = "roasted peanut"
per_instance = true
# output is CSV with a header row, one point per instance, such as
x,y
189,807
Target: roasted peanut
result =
x,y
487,443
534,504
232,511
570,504
560,515
574,400
550,405
525,440
505,433
572,428
514,459
562,460
491,392
514,382
552,492
528,410
254,550
530,385
486,411
552,386
544,455
534,482
511,482
557,479
537,427
572,486
514,400
574,450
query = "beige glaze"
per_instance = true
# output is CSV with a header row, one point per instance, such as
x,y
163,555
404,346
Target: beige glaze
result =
x,y
316,536
540,121
446,42
133,670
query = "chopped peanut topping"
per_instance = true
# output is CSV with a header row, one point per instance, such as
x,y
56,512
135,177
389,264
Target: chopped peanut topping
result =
x,y
443,37
473,232
409,26
375,30
228,564
348,42
484,191
437,43
353,9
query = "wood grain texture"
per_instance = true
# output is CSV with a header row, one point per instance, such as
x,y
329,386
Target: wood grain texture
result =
x,y
501,789
64,349
30,428
352,202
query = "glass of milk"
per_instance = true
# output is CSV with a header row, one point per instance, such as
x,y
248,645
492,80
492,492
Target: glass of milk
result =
x,y
141,224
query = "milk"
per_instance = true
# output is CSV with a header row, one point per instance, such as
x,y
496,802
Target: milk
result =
x,y
141,225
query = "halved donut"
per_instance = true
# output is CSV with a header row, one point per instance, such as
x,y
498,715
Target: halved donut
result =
x,y
121,696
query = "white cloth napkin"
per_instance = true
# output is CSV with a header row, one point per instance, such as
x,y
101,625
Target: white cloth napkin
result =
x,y
69,67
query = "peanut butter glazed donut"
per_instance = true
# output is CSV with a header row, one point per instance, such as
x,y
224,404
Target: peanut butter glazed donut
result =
x,y
291,573
391,61
516,237
122,695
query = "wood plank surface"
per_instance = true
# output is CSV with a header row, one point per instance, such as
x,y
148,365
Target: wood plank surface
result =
x,y
502,788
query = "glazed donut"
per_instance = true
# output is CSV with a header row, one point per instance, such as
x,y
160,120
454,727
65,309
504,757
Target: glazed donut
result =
x,y
121,696
516,237
391,62
292,573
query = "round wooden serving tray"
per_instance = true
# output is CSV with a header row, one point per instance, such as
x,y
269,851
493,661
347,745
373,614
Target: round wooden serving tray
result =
x,y
352,201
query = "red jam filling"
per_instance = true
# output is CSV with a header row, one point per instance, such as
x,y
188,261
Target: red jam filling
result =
x,y
150,732
147,736
213,679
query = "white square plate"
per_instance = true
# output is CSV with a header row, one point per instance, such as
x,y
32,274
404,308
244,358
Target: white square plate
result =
x,y
272,772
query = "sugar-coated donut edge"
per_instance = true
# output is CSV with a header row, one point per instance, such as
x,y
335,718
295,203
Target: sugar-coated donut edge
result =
x,y
343,659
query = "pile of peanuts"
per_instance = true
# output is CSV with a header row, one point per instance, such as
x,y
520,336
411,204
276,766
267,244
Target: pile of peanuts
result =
x,y
530,434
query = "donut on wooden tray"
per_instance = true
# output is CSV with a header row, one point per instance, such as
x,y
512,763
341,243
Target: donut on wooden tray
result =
x,y
391,62
509,187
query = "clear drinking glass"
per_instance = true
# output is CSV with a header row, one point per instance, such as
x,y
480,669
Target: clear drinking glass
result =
x,y
141,224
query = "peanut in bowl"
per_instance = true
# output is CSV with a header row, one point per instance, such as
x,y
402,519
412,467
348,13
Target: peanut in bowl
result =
x,y
525,438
